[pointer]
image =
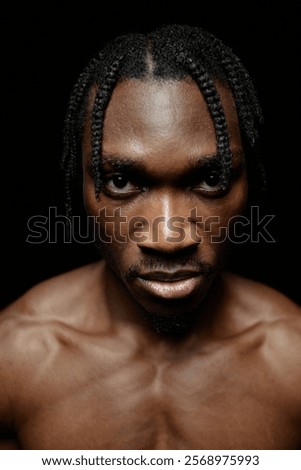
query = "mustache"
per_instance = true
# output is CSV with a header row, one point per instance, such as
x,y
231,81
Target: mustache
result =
x,y
159,264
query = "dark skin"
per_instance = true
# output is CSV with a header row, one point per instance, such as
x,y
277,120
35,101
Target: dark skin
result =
x,y
84,367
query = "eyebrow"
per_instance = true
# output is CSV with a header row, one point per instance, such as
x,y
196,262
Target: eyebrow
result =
x,y
134,167
123,164
139,171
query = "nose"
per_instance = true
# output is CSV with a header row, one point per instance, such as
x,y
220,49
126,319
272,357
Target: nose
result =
x,y
169,227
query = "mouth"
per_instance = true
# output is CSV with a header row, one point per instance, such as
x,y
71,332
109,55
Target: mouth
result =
x,y
170,285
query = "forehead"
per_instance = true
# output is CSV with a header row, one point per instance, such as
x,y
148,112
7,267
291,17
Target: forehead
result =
x,y
156,118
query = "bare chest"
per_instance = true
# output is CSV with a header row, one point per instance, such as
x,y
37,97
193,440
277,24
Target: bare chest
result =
x,y
136,403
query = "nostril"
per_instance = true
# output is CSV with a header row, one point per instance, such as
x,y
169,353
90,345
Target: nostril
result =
x,y
162,239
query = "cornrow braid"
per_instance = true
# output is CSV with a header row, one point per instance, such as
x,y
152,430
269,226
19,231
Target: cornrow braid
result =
x,y
248,108
247,105
70,163
101,101
215,107
242,87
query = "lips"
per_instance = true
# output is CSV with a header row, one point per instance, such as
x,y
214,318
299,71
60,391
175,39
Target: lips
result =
x,y
169,285
168,276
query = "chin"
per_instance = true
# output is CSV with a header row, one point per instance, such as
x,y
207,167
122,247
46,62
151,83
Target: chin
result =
x,y
175,317
171,323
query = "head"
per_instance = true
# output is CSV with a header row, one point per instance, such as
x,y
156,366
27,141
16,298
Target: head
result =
x,y
161,136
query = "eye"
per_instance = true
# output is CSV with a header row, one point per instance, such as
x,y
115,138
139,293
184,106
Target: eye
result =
x,y
210,183
212,179
118,184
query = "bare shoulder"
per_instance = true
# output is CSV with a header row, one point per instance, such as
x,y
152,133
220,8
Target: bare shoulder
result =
x,y
48,314
255,303
64,297
276,320
31,324
260,299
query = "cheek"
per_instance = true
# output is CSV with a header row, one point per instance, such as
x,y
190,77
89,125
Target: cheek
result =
x,y
110,222
238,197
219,213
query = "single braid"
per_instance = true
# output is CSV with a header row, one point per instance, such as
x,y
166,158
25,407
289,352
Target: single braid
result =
x,y
101,101
243,89
70,163
207,88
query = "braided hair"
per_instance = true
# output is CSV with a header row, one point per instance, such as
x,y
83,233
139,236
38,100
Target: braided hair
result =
x,y
170,52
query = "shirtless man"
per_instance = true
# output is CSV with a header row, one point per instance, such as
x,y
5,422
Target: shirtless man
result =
x,y
155,346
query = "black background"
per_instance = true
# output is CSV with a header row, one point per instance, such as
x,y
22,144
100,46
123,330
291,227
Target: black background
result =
x,y
43,51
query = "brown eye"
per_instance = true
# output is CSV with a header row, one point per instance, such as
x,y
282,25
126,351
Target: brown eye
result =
x,y
212,179
119,181
210,184
119,185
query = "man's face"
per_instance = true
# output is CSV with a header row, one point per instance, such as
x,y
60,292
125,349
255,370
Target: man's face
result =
x,y
162,205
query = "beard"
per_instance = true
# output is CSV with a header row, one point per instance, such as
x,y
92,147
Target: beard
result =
x,y
173,324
